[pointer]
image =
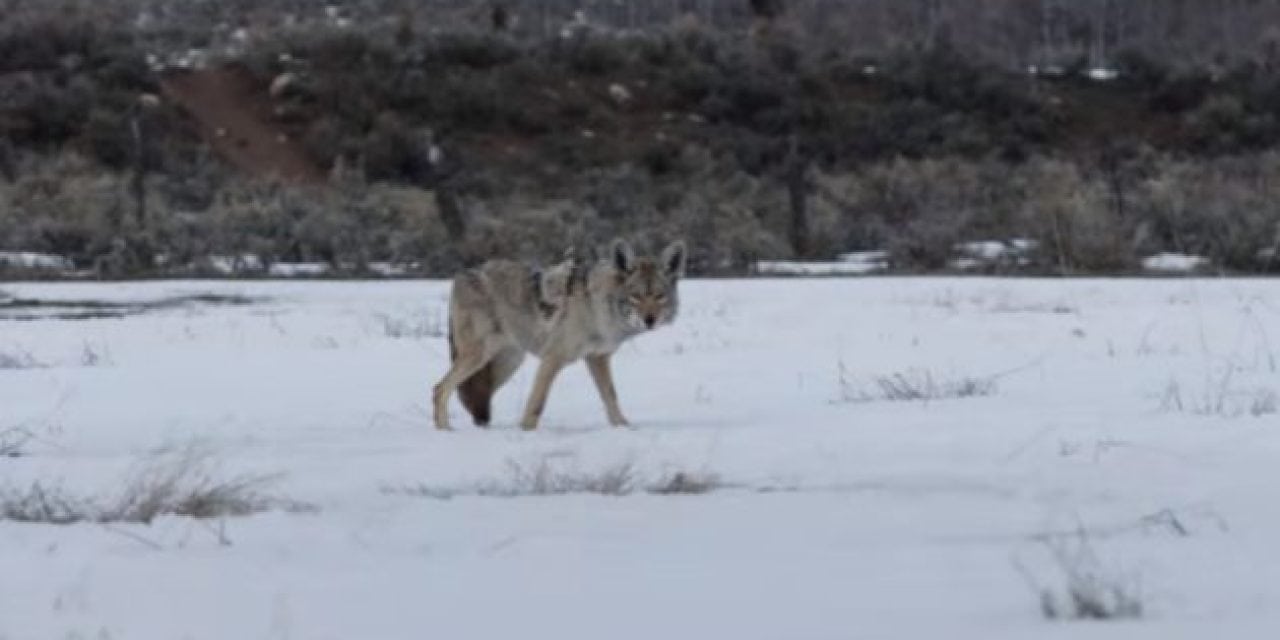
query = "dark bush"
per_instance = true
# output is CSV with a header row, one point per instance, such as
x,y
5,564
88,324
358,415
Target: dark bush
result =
x,y
1180,93
478,52
596,56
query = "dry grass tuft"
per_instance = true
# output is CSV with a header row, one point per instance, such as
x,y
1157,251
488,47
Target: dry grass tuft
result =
x,y
545,477
1083,587
12,441
1220,397
915,385
17,358
182,482
688,483
416,328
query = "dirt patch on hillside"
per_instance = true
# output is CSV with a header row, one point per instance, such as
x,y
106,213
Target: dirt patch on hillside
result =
x,y
233,114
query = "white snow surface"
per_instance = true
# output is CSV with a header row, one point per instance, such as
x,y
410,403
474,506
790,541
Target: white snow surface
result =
x,y
1102,74
987,253
851,263
35,260
1174,262
854,264
877,257
231,265
1136,410
296,269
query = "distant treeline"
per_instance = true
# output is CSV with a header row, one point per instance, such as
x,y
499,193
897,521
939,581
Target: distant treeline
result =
x,y
442,131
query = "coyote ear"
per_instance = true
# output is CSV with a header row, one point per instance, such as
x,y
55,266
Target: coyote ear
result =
x,y
673,258
623,256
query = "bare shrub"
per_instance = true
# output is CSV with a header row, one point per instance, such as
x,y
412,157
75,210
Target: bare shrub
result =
x,y
1219,208
929,202
61,205
1083,587
1071,218
731,219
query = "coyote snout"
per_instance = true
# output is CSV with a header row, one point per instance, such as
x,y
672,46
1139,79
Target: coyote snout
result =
x,y
503,310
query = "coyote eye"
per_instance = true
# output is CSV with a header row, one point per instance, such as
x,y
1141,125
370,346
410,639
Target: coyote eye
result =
x,y
661,297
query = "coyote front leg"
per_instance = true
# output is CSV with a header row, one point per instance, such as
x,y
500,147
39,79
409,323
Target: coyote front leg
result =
x,y
547,371
603,376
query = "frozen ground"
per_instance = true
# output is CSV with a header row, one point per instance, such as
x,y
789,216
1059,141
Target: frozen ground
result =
x,y
1142,412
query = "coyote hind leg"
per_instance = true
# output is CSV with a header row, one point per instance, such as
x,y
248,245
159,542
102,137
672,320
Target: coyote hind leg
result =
x,y
468,363
476,392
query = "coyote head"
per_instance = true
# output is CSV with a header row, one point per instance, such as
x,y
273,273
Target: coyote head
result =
x,y
647,287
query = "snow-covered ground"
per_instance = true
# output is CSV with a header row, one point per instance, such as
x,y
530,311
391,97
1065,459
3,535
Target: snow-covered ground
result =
x,y
1140,412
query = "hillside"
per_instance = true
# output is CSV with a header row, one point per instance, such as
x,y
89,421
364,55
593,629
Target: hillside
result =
x,y
345,138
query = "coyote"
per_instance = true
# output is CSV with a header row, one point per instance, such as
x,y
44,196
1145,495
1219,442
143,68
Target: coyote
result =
x,y
502,310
